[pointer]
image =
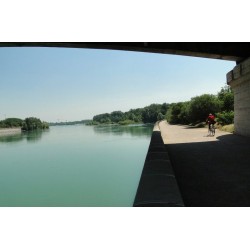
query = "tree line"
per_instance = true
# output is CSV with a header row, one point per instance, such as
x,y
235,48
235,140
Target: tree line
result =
x,y
28,124
148,114
190,112
68,123
197,109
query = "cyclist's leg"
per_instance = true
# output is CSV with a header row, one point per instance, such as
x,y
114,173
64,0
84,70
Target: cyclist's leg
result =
x,y
212,129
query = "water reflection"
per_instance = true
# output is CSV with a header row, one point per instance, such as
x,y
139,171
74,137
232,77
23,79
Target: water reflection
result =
x,y
11,138
73,166
34,136
133,130
31,136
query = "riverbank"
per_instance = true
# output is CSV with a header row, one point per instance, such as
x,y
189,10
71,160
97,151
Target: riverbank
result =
x,y
121,123
10,131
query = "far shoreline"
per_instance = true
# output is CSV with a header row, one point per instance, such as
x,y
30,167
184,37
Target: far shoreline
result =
x,y
10,131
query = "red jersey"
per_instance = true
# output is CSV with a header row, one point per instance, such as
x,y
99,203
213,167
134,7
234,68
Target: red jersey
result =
x,y
211,118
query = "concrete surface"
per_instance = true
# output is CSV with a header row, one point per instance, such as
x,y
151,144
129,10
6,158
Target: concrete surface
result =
x,y
239,80
157,186
210,171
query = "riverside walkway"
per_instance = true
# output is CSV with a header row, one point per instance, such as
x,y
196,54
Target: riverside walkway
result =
x,y
210,171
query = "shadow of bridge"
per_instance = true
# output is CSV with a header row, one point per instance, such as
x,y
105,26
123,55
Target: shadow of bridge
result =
x,y
214,173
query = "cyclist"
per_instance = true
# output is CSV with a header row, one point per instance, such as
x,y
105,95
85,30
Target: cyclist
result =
x,y
210,120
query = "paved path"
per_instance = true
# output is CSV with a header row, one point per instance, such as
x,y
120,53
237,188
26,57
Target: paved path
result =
x,y
210,171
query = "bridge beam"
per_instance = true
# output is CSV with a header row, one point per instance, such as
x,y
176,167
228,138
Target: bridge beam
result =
x,y
218,50
239,80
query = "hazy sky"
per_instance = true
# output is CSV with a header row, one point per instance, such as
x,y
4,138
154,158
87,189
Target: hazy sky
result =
x,y
58,84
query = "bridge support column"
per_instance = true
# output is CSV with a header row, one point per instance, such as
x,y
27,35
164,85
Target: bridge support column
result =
x,y
239,80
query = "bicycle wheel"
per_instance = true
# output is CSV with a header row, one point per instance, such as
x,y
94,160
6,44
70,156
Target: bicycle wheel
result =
x,y
212,130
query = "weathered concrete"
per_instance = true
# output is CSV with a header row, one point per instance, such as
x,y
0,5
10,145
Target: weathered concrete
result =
x,y
239,80
157,186
210,171
9,131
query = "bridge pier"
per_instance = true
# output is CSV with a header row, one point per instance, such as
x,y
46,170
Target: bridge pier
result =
x,y
239,80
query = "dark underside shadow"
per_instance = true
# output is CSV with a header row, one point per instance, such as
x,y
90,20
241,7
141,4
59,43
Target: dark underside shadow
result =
x,y
213,174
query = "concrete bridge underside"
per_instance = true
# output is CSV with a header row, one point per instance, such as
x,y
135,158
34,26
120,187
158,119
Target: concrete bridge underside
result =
x,y
225,51
238,78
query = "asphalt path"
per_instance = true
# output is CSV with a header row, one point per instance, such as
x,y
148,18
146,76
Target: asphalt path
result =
x,y
211,171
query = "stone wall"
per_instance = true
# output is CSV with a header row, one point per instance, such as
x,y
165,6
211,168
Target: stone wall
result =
x,y
239,80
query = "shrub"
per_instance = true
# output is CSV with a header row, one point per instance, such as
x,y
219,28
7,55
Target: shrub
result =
x,y
45,125
228,128
90,123
225,117
125,122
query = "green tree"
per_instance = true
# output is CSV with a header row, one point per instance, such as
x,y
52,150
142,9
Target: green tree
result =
x,y
135,115
150,113
225,117
32,123
117,116
45,125
177,113
164,108
11,123
160,117
102,118
226,97
201,106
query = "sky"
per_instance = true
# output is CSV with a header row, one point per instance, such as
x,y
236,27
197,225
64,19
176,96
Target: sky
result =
x,y
68,84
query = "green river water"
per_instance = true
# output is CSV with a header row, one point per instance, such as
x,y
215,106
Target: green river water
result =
x,y
72,166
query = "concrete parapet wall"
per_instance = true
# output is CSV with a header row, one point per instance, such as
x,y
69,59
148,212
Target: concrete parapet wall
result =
x,y
158,186
239,80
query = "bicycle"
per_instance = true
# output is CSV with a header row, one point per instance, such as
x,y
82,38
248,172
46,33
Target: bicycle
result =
x,y
211,130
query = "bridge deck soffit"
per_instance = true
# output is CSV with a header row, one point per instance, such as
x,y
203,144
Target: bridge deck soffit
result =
x,y
225,51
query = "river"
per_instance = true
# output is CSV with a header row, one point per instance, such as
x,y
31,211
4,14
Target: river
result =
x,y
73,166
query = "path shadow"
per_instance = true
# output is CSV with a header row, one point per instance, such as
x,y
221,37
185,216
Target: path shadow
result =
x,y
190,126
213,174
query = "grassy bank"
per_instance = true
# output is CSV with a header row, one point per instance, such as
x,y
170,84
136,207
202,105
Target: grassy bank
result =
x,y
125,122
227,128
